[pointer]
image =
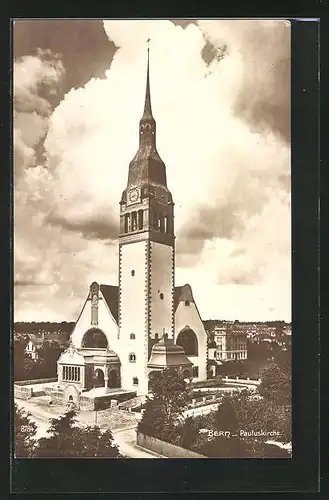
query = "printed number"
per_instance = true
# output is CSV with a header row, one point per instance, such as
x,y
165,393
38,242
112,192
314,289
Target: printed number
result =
x,y
26,428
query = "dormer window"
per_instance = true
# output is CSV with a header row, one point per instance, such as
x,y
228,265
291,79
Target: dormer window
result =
x,y
187,303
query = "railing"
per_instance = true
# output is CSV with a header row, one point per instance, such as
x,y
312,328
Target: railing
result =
x,y
242,380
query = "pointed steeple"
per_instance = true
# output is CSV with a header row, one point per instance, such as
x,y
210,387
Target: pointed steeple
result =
x,y
147,106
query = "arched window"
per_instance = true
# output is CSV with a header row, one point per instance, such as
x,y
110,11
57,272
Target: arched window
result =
x,y
127,223
132,336
159,221
156,336
161,296
195,371
134,221
94,339
140,219
166,224
135,381
132,272
132,357
187,303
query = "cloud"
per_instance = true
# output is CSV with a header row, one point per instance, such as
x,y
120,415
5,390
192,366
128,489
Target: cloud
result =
x,y
32,76
262,94
219,104
93,228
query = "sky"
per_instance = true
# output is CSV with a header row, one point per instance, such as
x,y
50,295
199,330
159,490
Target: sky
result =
x,y
220,94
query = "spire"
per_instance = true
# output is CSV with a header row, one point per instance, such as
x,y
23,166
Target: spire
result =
x,y
147,107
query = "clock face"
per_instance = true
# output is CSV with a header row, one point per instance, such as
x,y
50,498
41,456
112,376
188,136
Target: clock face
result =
x,y
133,194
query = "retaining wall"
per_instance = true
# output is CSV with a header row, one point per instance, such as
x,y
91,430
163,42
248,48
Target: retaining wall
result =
x,y
36,381
21,392
163,448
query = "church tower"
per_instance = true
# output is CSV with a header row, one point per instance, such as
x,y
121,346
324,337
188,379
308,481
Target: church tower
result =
x,y
146,256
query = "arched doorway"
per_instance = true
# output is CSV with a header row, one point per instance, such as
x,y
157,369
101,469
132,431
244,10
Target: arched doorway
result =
x,y
188,340
113,379
71,396
99,378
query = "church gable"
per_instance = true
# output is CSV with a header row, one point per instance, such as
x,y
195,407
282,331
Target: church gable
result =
x,y
189,329
183,294
71,356
186,311
100,311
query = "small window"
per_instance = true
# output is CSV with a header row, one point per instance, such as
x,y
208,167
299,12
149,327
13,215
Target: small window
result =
x,y
132,357
187,302
161,296
133,272
132,336
195,371
156,336
135,381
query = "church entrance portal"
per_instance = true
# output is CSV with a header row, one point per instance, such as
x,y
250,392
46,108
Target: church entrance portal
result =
x,y
99,378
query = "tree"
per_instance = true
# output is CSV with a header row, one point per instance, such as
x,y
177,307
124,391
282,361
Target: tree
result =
x,y
29,368
19,359
221,447
276,385
188,433
164,411
225,418
241,412
24,434
66,439
249,424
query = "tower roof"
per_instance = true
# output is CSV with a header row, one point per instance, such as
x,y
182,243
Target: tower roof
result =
x,y
147,166
147,115
166,354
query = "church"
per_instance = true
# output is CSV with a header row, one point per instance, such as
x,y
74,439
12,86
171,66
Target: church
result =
x,y
127,332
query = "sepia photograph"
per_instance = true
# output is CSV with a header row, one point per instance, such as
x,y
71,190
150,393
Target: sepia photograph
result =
x,y
152,238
